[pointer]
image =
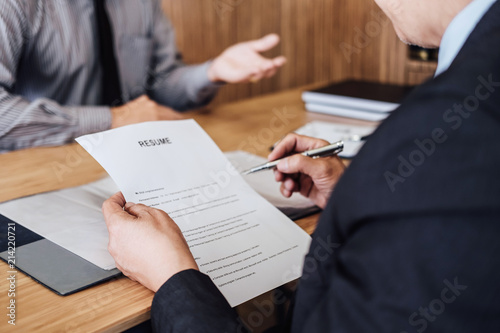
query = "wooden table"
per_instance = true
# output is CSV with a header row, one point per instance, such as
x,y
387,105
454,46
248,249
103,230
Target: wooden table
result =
x,y
252,125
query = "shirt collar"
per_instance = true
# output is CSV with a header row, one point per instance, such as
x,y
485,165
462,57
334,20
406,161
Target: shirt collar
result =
x,y
459,31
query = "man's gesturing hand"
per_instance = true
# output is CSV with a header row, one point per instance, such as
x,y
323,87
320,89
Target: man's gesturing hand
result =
x,y
243,63
140,110
313,178
146,244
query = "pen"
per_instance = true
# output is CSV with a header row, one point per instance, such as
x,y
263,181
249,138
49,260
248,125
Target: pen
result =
x,y
325,151
353,138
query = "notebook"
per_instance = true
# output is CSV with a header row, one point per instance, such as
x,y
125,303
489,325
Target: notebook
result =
x,y
356,99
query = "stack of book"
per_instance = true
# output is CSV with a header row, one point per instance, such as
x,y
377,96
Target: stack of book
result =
x,y
356,99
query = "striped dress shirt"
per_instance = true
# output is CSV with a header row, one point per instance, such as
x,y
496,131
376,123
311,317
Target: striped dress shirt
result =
x,y
51,76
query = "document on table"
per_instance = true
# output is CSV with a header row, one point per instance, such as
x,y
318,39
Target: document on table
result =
x,y
240,240
70,218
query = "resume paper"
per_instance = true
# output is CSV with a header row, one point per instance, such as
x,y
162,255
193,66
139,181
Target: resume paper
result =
x,y
241,241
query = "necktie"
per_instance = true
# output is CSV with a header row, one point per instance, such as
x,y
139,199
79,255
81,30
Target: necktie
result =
x,y
111,94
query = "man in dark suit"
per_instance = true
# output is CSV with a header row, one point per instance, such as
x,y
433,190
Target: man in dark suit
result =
x,y
415,219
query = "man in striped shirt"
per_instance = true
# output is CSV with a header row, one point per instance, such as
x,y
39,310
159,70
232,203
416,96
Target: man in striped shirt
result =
x,y
51,86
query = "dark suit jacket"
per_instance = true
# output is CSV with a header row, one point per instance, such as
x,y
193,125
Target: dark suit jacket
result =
x,y
416,214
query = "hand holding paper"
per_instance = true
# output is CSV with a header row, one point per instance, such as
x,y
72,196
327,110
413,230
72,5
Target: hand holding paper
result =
x,y
146,244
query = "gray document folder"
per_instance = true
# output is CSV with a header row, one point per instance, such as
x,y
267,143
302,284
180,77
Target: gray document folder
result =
x,y
47,263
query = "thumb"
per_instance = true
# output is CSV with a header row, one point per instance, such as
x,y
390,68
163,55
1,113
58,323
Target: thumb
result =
x,y
112,208
299,164
265,43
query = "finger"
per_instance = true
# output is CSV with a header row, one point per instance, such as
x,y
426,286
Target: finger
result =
x,y
139,210
128,205
294,143
256,77
118,198
306,185
266,68
266,65
270,73
265,43
302,164
284,147
162,217
298,183
278,176
113,208
260,69
279,61
286,193
290,185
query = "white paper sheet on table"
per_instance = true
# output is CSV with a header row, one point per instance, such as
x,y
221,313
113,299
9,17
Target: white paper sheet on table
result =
x,y
238,238
70,218
335,132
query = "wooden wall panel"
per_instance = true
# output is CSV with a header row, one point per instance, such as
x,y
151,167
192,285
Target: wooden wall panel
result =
x,y
323,40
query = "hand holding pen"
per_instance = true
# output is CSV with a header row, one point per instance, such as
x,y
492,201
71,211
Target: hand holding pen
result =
x,y
314,178
325,151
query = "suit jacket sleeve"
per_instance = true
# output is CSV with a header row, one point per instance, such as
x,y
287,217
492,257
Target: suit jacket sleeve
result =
x,y
171,82
189,302
41,122
404,274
